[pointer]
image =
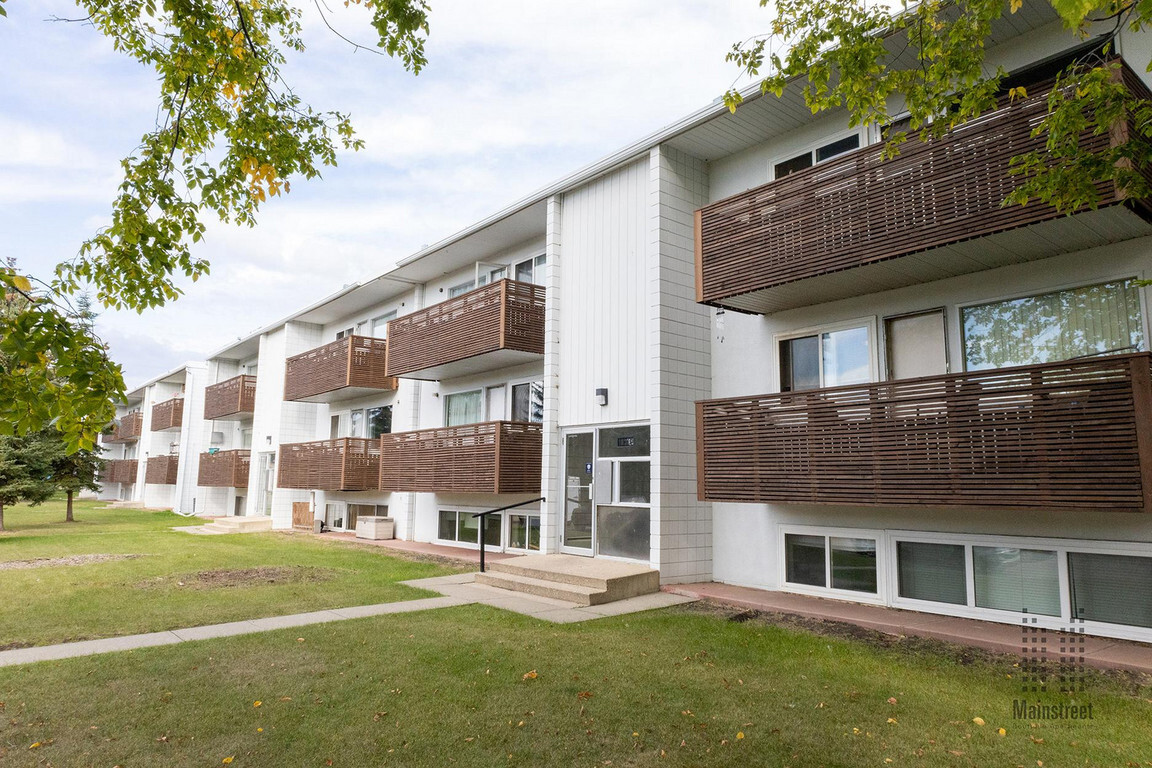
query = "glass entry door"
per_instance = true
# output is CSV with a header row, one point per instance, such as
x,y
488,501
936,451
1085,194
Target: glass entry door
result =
x,y
579,449
267,482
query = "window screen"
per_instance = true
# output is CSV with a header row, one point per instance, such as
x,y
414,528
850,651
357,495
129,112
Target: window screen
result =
x,y
932,572
1116,589
464,408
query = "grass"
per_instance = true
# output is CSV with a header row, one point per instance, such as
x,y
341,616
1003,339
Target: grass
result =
x,y
680,687
145,594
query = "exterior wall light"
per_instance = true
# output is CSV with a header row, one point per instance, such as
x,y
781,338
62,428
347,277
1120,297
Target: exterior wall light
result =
x,y
602,396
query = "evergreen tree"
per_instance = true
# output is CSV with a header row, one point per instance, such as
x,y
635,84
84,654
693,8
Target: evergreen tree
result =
x,y
26,468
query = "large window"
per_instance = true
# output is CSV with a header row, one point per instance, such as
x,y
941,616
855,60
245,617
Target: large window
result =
x,y
531,270
839,562
827,359
379,324
624,491
528,402
815,156
379,421
464,408
1091,320
1011,579
933,572
463,527
1111,588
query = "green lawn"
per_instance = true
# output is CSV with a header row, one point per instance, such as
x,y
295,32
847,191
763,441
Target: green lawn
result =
x,y
177,579
448,687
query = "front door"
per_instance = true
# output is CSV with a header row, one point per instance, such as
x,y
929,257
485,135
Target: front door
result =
x,y
579,458
267,482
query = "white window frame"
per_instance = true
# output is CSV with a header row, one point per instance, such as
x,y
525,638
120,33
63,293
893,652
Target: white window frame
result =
x,y
1139,275
463,510
829,591
811,148
482,391
869,322
387,317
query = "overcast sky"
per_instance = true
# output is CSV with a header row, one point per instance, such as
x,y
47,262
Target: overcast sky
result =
x,y
516,95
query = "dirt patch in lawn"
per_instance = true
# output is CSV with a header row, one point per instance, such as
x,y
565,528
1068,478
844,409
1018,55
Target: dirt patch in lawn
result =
x,y
51,562
224,578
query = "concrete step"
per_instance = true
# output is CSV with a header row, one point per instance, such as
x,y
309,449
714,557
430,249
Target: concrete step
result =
x,y
237,525
603,580
572,593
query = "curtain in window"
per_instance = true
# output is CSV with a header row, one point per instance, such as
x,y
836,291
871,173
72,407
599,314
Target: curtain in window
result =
x,y
1010,579
1116,589
464,408
1053,327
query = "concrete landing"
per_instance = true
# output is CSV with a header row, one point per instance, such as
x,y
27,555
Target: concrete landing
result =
x,y
223,525
582,580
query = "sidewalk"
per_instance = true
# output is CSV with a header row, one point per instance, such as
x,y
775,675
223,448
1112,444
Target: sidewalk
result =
x,y
462,554
1101,652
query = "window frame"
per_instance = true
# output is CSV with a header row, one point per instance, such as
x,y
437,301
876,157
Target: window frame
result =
x,y
863,134
829,533
869,323
387,317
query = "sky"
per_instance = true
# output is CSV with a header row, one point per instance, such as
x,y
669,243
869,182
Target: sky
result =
x,y
516,95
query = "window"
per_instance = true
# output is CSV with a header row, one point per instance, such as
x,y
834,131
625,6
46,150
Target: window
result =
x,y
492,276
464,408
816,156
334,427
456,290
839,562
356,424
623,492
344,333
1111,588
1090,320
1011,579
528,402
828,359
464,528
379,421
532,270
524,532
933,572
246,438
379,327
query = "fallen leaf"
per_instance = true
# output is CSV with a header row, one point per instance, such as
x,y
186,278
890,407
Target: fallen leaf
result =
x,y
257,703
892,721
584,695
259,730
37,745
1001,731
740,734
530,675
891,699
978,720
228,760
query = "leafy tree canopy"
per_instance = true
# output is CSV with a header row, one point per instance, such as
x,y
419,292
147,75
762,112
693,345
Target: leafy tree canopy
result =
x,y
230,134
854,55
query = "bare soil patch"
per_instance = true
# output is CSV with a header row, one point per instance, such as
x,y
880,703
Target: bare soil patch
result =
x,y
51,562
224,578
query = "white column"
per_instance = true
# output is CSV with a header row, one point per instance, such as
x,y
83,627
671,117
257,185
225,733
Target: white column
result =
x,y
551,486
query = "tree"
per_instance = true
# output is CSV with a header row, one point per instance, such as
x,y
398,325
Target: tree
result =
x,y
26,468
230,133
848,53
75,472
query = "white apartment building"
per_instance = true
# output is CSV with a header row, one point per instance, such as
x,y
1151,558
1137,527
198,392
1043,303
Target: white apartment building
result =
x,y
747,349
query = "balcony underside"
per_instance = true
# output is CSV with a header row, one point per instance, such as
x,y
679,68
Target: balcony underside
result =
x,y
343,393
1066,234
488,361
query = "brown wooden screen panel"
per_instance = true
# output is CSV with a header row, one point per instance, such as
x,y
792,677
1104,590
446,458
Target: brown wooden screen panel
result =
x,y
861,209
161,470
120,470
1071,435
491,457
127,430
504,315
224,469
168,414
354,361
234,397
343,464
302,514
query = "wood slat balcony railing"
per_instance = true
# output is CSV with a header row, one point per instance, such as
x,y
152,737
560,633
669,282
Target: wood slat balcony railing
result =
x,y
233,399
491,457
168,414
161,470
127,430
779,245
120,470
1070,435
224,469
492,327
343,464
346,368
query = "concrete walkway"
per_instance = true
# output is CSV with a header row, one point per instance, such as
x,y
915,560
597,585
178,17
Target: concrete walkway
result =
x,y
455,590
1100,652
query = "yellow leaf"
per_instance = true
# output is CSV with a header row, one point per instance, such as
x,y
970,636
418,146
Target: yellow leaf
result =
x,y
1001,731
35,746
259,730
1015,5
740,735
530,675
21,283
978,720
257,703
228,760
892,721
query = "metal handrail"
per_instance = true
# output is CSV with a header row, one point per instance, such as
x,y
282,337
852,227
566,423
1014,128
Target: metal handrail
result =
x,y
480,527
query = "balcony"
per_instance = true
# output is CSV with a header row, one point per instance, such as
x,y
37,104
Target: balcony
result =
x,y
127,430
234,399
496,326
161,470
168,414
343,464
120,471
224,469
492,457
860,224
347,368
1070,435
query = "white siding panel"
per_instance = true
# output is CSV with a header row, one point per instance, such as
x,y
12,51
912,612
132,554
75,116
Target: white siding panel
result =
x,y
603,330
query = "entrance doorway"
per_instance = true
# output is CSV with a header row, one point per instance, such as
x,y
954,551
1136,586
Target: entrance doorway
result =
x,y
267,482
607,492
